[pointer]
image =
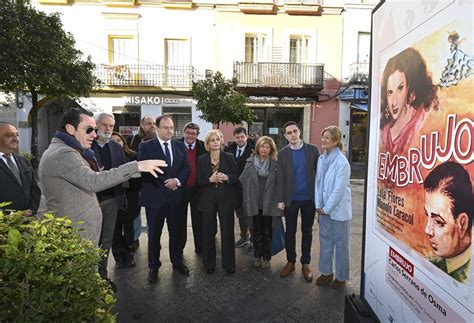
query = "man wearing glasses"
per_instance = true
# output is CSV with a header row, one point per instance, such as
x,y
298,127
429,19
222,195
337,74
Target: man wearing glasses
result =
x,y
70,175
295,192
194,148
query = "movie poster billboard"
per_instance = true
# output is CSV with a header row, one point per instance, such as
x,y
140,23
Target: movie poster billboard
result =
x,y
418,263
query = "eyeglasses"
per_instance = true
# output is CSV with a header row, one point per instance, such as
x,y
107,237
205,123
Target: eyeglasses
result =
x,y
89,130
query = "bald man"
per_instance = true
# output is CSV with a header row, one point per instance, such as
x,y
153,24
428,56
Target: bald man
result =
x,y
19,184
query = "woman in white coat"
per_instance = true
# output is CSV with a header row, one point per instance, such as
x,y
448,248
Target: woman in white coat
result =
x,y
334,209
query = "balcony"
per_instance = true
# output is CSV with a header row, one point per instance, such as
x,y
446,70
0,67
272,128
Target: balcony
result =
x,y
303,7
359,73
147,75
279,79
257,6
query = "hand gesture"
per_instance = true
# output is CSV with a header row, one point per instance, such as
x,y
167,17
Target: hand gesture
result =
x,y
151,166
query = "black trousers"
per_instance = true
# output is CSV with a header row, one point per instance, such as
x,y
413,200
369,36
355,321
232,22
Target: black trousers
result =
x,y
196,219
225,213
155,217
262,236
124,233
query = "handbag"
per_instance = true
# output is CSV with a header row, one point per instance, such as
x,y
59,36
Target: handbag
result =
x,y
278,235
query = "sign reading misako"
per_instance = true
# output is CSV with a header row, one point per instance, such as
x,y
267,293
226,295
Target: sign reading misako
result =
x,y
155,100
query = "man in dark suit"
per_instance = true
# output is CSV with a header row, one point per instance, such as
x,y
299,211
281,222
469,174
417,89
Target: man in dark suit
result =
x,y
241,149
19,185
109,154
163,197
194,148
295,194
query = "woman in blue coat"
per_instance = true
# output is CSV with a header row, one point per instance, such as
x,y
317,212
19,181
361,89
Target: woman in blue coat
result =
x,y
334,209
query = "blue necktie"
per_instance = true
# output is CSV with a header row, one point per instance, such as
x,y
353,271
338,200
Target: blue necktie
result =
x,y
167,154
239,153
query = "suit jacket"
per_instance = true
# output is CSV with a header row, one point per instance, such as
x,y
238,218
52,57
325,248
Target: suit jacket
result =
x,y
227,191
201,150
117,158
242,160
69,185
153,193
23,197
285,178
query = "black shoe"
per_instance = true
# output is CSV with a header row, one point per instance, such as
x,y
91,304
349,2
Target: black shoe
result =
x,y
210,271
182,269
230,271
112,285
121,265
131,263
153,276
198,252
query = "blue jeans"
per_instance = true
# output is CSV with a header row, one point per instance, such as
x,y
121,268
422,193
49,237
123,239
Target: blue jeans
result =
x,y
334,237
307,219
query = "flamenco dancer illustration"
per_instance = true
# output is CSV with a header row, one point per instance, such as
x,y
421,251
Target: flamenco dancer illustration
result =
x,y
460,65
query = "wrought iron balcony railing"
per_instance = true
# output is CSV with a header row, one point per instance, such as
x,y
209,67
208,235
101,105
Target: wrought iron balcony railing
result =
x,y
359,73
147,75
279,74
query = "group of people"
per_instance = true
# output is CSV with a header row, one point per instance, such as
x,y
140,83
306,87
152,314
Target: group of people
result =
x,y
94,175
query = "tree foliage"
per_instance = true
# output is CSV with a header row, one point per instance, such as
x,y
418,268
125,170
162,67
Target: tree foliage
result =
x,y
219,102
48,272
39,57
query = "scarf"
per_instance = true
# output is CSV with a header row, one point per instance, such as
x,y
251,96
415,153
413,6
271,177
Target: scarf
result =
x,y
87,154
263,168
324,162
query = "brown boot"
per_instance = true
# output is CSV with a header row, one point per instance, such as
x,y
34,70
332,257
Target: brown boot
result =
x,y
307,274
323,279
337,284
289,268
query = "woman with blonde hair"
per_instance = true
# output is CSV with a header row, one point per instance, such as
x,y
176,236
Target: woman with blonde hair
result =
x,y
334,209
259,197
217,179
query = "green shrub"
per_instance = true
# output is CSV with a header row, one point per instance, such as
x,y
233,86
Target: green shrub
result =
x,y
48,272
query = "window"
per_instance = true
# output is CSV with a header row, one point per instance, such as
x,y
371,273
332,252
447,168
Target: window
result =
x,y
363,48
122,50
299,49
178,71
256,48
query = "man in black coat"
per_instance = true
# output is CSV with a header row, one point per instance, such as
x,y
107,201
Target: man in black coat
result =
x,y
19,185
109,154
241,149
194,148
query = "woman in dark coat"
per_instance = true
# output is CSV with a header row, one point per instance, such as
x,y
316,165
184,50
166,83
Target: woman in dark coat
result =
x,y
217,179
259,197
124,234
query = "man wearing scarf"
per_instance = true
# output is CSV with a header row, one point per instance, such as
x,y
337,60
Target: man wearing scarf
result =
x,y
70,176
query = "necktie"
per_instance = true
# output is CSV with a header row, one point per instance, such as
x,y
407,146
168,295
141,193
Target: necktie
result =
x,y
14,169
239,153
167,154
190,147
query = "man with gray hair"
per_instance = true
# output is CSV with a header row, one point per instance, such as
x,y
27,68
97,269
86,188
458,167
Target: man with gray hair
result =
x,y
109,154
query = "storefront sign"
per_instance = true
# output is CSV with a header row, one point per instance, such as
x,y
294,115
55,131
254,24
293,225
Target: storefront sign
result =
x,y
156,100
418,255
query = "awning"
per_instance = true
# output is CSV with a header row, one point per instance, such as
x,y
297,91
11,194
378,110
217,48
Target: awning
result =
x,y
359,106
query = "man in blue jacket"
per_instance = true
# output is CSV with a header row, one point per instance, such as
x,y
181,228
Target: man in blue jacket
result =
x,y
164,197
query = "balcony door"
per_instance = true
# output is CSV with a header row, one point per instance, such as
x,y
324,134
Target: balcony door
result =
x,y
178,71
299,49
122,58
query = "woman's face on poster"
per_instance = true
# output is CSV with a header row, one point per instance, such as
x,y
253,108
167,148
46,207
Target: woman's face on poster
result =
x,y
445,232
396,94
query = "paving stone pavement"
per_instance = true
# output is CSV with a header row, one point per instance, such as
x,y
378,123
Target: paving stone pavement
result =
x,y
250,295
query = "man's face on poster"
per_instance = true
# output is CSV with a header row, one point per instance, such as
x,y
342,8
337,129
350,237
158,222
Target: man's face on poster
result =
x,y
444,231
396,94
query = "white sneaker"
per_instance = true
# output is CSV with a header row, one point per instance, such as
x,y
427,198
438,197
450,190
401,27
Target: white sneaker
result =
x,y
265,263
257,262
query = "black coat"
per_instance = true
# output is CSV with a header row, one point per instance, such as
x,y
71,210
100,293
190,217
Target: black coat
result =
x,y
242,160
23,197
228,191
